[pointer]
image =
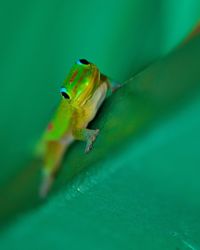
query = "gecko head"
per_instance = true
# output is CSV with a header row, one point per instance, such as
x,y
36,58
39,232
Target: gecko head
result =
x,y
81,82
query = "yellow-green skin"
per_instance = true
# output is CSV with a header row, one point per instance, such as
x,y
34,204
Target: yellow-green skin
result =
x,y
83,92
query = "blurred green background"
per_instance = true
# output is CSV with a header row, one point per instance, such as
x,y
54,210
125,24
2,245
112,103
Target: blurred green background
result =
x,y
139,187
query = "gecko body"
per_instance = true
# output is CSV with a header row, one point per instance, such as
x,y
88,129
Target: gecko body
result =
x,y
82,94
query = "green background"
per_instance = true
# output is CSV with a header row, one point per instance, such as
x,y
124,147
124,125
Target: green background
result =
x,y
139,187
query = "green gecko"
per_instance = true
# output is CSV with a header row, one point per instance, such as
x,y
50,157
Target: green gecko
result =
x,y
82,94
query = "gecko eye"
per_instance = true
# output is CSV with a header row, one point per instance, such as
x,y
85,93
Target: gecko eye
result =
x,y
63,92
83,61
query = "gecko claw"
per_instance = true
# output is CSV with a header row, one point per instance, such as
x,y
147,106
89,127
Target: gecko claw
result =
x,y
90,140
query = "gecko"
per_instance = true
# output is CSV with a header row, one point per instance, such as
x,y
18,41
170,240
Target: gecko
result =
x,y
82,93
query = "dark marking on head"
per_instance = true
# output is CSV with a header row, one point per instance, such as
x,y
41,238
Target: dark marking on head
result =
x,y
73,76
83,75
50,126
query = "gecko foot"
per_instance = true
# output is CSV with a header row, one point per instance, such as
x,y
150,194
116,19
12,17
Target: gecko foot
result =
x,y
90,137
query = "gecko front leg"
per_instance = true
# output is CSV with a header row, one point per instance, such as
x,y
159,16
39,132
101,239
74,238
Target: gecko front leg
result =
x,y
87,135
